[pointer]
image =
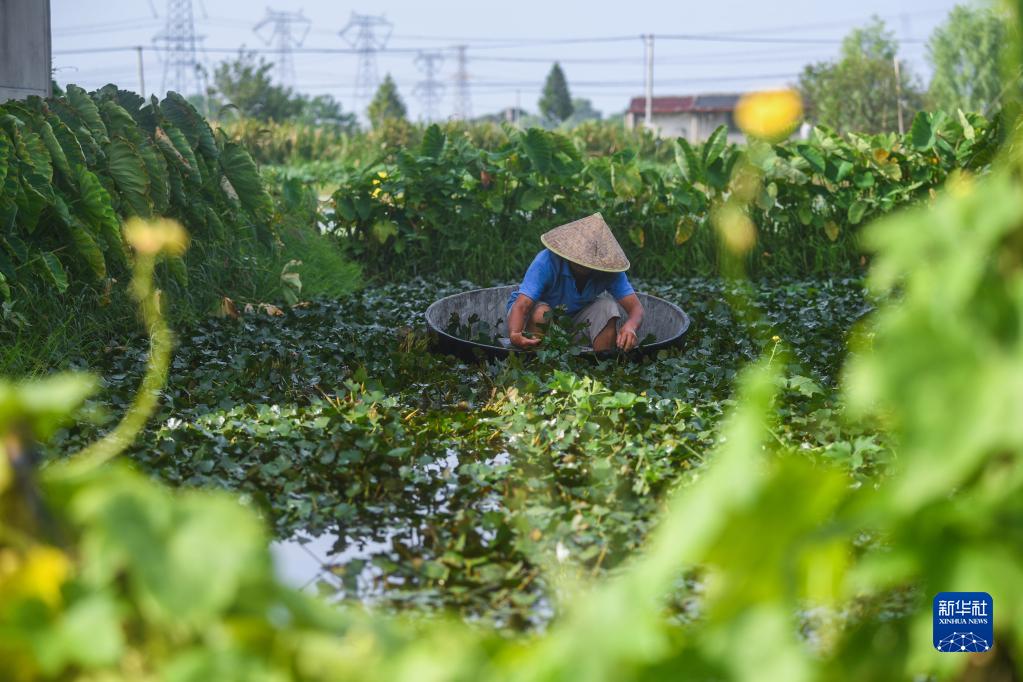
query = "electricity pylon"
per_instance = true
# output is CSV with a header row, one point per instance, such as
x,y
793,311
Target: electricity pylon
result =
x,y
285,31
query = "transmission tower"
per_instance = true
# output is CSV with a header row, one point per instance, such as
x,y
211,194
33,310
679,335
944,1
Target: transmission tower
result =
x,y
463,102
368,35
177,42
285,31
429,89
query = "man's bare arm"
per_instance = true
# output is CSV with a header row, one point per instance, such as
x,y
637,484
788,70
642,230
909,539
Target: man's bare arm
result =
x,y
517,322
628,336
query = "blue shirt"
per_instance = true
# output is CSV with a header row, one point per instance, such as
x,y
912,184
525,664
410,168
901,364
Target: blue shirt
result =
x,y
550,280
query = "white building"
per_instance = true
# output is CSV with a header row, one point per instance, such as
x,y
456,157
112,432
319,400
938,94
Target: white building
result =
x,y
693,117
24,48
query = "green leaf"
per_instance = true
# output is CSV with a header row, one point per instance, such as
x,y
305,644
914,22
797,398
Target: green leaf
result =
x,y
626,180
384,229
241,170
537,146
86,110
856,211
813,157
531,199
715,145
433,142
197,131
54,270
128,170
687,161
922,135
95,205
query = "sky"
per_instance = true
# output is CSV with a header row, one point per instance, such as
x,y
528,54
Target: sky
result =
x,y
699,47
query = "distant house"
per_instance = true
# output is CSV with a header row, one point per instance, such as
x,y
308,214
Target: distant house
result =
x,y
693,117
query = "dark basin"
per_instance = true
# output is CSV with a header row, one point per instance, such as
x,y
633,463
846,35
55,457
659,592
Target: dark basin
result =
x,y
664,320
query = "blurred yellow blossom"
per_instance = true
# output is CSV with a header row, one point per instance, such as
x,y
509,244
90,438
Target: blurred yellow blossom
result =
x,y
40,573
770,115
152,236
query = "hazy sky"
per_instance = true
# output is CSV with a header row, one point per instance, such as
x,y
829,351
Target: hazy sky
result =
x,y
511,45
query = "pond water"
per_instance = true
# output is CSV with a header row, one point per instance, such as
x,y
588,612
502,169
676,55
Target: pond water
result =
x,y
410,480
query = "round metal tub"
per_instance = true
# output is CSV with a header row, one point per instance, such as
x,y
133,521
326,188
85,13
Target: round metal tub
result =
x,y
666,321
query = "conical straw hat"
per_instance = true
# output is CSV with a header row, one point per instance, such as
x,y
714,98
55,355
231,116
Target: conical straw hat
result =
x,y
588,242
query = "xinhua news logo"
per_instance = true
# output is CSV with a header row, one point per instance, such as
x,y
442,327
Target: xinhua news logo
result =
x,y
963,622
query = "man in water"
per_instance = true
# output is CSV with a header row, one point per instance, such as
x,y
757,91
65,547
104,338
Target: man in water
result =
x,y
583,269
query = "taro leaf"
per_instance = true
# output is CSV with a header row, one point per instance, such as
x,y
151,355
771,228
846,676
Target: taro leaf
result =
x,y
813,157
865,180
626,180
215,225
178,270
156,169
805,386
241,170
715,145
684,231
96,206
87,111
39,156
118,121
843,170
87,248
128,170
383,229
53,271
433,142
856,211
182,114
57,155
537,146
563,144
688,163
175,146
5,156
531,199
922,135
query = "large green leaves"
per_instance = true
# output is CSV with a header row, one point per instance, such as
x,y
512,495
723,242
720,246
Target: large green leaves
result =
x,y
241,171
128,170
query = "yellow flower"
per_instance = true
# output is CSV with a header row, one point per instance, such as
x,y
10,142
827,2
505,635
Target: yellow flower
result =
x,y
40,574
776,338
771,115
152,236
375,193
382,174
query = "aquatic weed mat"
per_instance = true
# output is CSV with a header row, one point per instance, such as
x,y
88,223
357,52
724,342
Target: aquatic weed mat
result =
x,y
422,481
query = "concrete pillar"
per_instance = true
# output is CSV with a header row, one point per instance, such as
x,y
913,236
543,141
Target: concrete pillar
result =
x,y
25,55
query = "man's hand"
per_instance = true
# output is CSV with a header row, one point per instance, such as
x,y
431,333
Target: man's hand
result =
x,y
520,341
627,337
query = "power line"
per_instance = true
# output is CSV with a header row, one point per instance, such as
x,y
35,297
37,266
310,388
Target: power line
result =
x,y
361,33
463,100
181,69
286,31
429,89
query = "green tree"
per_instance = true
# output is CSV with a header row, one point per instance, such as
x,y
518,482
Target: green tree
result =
x,y
245,83
324,110
556,102
965,53
582,110
858,91
386,104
